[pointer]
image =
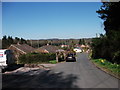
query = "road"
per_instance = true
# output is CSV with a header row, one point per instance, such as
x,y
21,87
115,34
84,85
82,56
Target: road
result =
x,y
87,75
79,74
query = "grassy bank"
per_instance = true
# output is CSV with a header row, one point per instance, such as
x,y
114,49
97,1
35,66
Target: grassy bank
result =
x,y
113,69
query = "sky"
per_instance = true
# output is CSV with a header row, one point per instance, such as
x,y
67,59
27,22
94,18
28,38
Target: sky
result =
x,y
46,20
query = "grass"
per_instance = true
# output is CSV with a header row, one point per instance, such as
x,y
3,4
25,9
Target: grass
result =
x,y
107,66
53,61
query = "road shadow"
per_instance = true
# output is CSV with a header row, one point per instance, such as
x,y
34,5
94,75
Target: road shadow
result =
x,y
36,79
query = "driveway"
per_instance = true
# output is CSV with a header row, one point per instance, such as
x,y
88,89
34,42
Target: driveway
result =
x,y
79,74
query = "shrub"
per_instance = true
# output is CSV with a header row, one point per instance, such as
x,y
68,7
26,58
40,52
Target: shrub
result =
x,y
32,58
116,57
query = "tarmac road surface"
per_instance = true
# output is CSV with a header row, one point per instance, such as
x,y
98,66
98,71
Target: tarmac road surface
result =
x,y
79,74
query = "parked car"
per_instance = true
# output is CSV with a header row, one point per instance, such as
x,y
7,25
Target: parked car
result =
x,y
71,57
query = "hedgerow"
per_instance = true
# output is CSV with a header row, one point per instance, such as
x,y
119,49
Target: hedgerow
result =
x,y
36,58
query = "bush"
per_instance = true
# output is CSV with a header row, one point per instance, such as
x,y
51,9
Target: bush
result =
x,y
117,57
102,47
35,58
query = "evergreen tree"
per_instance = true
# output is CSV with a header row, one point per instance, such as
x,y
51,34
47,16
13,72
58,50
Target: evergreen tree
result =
x,y
108,45
7,41
16,40
10,40
23,41
4,42
80,41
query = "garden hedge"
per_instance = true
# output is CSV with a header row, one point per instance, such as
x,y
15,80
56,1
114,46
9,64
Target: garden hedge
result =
x,y
36,58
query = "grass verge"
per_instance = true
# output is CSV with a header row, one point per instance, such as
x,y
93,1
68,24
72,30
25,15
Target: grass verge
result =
x,y
113,69
53,61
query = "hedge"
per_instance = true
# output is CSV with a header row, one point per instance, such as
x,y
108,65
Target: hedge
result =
x,y
36,58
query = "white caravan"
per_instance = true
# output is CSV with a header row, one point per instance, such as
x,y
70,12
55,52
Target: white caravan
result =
x,y
6,58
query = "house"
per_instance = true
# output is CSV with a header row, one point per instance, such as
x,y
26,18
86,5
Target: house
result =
x,y
47,49
86,48
19,49
62,46
77,45
77,49
82,46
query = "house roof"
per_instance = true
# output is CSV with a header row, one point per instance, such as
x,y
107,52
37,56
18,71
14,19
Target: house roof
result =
x,y
41,50
83,46
23,47
50,48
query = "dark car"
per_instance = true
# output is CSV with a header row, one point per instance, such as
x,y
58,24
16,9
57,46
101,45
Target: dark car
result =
x,y
70,57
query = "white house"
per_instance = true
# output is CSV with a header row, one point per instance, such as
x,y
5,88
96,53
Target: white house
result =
x,y
77,49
